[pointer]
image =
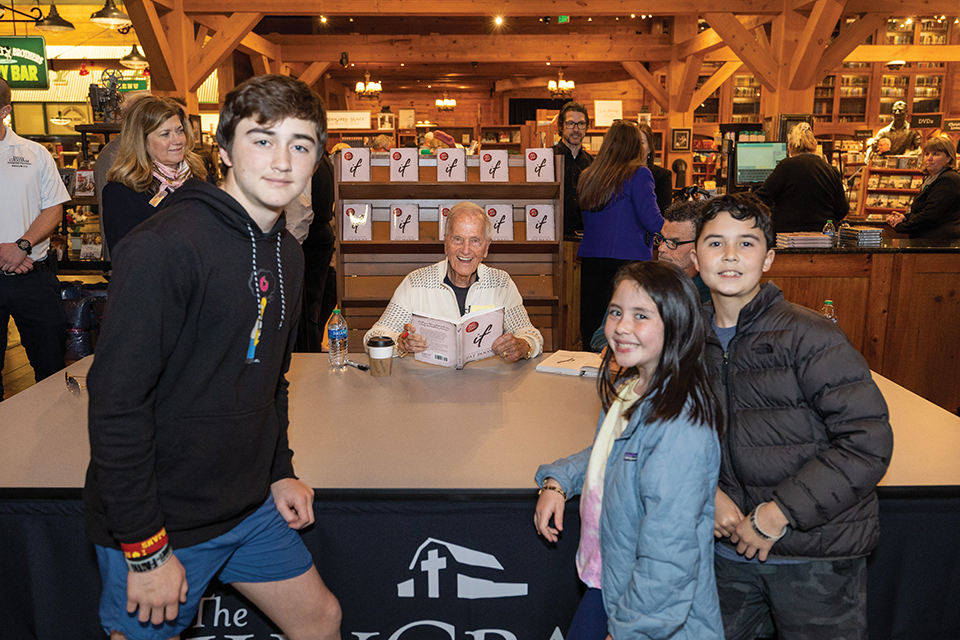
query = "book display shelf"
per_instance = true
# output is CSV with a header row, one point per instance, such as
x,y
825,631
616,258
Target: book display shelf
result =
x,y
369,271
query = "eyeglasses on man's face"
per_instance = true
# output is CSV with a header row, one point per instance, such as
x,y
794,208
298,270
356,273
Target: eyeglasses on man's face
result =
x,y
671,243
569,124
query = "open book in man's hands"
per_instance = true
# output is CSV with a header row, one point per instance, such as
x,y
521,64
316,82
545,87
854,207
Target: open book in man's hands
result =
x,y
451,344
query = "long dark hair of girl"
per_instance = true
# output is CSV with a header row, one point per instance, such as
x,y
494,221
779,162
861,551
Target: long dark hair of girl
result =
x,y
618,160
681,375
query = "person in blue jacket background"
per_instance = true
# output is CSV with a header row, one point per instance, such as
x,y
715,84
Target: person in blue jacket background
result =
x,y
647,484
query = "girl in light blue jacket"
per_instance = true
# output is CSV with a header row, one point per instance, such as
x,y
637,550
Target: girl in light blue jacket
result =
x,y
647,484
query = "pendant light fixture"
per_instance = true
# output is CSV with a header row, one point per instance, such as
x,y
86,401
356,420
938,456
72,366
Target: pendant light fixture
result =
x,y
445,103
560,88
367,89
111,17
134,60
53,22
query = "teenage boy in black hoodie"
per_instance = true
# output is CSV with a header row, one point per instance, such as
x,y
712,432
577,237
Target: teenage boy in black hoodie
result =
x,y
191,475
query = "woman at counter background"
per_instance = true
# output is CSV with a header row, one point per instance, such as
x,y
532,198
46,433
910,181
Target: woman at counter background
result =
x,y
155,157
803,192
647,484
935,212
662,178
620,215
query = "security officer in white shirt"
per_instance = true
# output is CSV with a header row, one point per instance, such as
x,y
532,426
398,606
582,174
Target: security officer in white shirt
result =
x,y
33,195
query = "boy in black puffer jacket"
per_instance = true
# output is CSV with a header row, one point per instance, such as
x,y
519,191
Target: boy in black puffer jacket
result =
x,y
806,440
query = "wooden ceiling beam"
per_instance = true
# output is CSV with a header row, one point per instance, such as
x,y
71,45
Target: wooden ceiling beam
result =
x,y
709,40
536,8
151,33
313,72
850,38
758,59
719,76
517,8
909,52
649,83
252,43
688,82
504,49
813,42
220,46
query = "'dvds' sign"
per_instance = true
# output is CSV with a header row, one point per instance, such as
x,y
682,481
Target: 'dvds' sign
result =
x,y
926,121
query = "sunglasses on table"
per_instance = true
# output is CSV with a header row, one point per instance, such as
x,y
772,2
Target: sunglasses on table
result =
x,y
672,244
73,384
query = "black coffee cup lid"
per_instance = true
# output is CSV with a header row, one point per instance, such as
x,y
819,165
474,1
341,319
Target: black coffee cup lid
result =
x,y
380,341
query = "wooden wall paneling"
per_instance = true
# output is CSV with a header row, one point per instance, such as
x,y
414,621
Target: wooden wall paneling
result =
x,y
809,279
570,305
923,341
882,275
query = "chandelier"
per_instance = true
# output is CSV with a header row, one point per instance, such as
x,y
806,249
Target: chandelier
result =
x,y
561,89
445,103
367,89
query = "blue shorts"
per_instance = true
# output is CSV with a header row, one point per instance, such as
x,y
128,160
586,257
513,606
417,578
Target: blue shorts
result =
x,y
262,548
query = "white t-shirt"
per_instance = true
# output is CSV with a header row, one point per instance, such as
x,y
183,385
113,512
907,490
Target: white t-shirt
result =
x,y
29,182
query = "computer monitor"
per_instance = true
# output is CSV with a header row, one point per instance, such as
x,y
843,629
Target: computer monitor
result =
x,y
757,160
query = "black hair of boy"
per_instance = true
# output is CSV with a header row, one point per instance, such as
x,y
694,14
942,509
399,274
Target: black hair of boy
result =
x,y
269,99
740,206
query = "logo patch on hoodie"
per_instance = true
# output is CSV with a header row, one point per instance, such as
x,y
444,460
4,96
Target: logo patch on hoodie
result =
x,y
629,457
763,349
261,286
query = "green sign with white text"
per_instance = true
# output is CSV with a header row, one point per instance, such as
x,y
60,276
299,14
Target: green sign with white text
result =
x,y
128,84
23,62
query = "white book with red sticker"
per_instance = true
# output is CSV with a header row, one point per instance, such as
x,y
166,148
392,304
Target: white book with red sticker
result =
x,y
455,344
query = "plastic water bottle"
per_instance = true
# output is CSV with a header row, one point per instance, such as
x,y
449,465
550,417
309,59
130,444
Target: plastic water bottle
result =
x,y
828,311
337,337
830,230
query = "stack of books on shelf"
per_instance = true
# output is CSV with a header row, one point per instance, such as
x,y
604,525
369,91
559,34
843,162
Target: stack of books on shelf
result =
x,y
861,236
804,239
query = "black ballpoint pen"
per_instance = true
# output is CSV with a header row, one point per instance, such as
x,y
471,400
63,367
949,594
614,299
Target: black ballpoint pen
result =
x,y
357,365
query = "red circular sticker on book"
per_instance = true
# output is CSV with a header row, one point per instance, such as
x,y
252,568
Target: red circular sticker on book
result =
x,y
445,211
443,156
487,157
349,211
533,213
397,212
532,156
472,327
347,155
397,156
491,212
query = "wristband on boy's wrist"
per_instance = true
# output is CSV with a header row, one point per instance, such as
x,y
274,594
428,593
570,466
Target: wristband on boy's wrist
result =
x,y
152,562
760,532
147,554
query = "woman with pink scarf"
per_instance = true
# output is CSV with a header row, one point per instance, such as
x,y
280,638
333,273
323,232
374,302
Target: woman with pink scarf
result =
x,y
154,159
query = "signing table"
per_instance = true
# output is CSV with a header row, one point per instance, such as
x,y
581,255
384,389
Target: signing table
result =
x,y
424,506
